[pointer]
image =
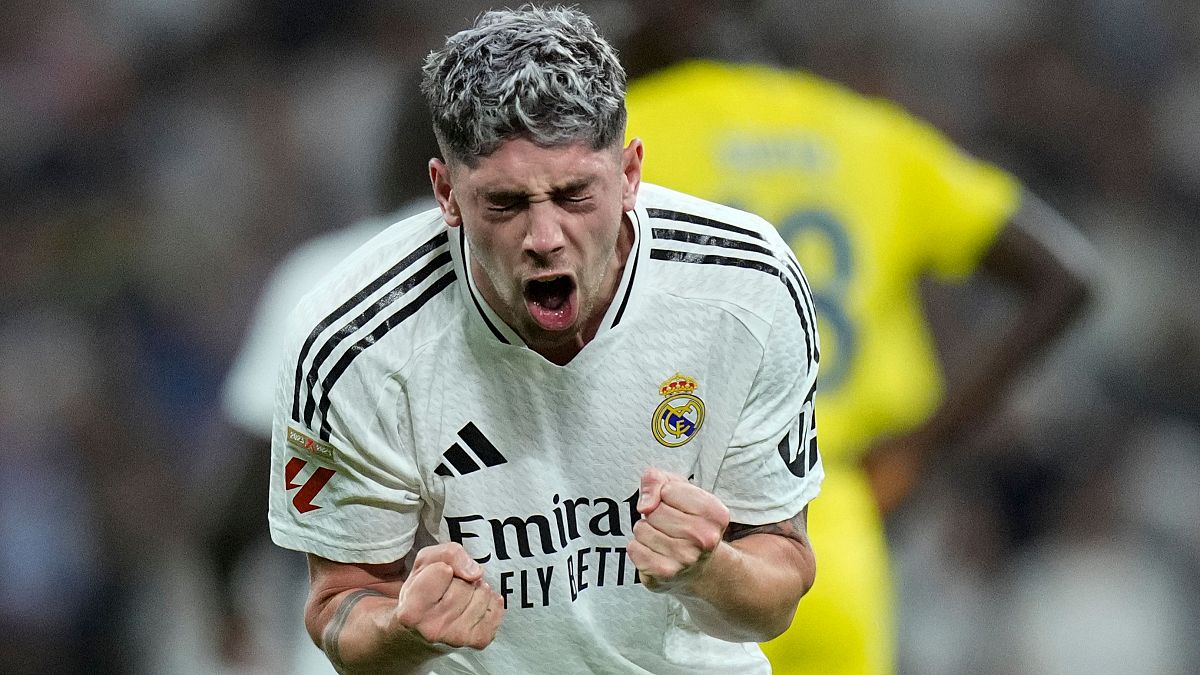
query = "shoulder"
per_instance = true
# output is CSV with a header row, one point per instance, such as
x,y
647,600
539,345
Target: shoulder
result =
x,y
719,255
389,277
713,239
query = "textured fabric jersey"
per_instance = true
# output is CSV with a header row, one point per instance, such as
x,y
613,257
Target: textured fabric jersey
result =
x,y
870,199
408,410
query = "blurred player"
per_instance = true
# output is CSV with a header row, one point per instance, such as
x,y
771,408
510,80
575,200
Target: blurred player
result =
x,y
871,201
248,397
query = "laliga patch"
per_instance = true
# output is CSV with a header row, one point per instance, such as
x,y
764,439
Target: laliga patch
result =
x,y
305,443
679,417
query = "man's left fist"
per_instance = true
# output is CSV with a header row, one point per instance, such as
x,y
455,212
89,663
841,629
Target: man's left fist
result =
x,y
681,526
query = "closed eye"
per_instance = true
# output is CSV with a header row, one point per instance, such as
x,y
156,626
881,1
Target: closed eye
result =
x,y
506,206
574,202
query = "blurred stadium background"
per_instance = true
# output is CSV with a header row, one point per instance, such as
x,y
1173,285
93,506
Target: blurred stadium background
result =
x,y
157,158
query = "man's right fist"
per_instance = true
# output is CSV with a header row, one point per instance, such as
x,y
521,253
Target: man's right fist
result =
x,y
446,601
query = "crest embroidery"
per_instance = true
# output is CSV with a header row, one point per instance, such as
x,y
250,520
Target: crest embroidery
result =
x,y
681,414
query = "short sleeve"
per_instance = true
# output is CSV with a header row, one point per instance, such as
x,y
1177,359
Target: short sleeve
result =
x,y
772,468
951,197
344,484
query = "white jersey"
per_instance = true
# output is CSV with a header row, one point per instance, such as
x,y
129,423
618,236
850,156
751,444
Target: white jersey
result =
x,y
408,406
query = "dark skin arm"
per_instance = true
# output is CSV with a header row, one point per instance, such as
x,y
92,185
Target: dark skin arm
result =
x,y
1051,267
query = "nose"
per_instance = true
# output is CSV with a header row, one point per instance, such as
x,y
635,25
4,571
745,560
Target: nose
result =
x,y
544,235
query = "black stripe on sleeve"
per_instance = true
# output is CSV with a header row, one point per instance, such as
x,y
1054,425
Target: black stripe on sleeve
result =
x,y
707,240
681,217
806,294
691,237
363,319
707,259
809,346
789,273
382,329
440,239
731,261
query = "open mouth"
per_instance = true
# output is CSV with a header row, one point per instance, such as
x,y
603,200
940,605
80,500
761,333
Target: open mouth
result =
x,y
551,301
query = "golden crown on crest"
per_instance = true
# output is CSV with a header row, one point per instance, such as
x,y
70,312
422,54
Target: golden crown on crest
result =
x,y
677,384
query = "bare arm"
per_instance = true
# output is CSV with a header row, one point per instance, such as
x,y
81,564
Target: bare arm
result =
x,y
384,619
739,583
1052,267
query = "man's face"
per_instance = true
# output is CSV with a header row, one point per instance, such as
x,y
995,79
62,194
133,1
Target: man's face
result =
x,y
544,225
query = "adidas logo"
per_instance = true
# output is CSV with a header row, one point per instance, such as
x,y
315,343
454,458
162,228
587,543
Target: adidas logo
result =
x,y
462,461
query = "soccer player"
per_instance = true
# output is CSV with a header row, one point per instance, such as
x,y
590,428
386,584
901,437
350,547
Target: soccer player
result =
x,y
871,200
563,422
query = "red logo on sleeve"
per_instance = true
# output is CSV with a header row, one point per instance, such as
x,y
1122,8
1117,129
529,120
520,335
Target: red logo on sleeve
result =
x,y
308,490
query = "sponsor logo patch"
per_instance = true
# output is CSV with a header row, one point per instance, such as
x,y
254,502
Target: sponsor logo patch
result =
x,y
305,443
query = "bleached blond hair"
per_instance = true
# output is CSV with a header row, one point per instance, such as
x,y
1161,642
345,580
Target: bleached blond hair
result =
x,y
543,73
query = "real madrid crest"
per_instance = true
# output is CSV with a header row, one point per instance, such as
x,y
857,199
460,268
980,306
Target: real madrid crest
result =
x,y
679,417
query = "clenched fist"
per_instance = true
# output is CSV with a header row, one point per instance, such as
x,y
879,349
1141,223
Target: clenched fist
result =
x,y
446,600
681,526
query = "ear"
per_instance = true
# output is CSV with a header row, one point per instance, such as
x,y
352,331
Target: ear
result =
x,y
443,192
631,167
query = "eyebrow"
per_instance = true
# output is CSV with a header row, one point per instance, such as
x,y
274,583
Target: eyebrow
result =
x,y
501,196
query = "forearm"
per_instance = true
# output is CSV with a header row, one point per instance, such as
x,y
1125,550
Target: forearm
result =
x,y
982,386
355,630
749,588
1053,269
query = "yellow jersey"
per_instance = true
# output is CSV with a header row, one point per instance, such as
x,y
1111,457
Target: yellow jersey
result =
x,y
870,199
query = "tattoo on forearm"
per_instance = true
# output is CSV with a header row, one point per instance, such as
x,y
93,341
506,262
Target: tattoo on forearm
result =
x,y
796,529
333,631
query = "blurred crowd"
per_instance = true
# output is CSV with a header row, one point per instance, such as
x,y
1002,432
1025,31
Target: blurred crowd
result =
x,y
158,158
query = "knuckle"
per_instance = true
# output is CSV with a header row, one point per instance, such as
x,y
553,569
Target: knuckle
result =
x,y
435,572
407,617
636,552
666,491
709,540
722,515
670,569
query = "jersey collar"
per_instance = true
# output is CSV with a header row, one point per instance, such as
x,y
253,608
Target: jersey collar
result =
x,y
618,311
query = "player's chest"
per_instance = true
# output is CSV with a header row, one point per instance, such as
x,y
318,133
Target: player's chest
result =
x,y
511,419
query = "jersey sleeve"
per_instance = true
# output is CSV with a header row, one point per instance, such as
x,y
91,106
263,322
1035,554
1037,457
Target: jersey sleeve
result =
x,y
952,198
344,484
772,468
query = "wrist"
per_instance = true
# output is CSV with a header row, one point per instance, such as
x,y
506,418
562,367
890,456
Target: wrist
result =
x,y
376,642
